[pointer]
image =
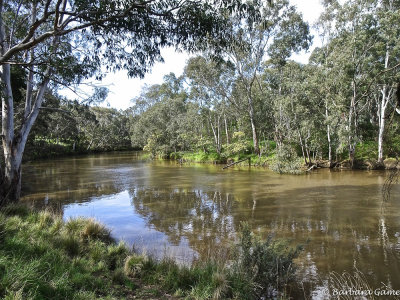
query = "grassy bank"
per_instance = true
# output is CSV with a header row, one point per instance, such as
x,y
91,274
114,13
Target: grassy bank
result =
x,y
44,257
223,158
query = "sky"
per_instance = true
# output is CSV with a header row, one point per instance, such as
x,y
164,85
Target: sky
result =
x,y
123,89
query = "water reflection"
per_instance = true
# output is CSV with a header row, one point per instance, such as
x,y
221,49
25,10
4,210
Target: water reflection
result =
x,y
203,218
195,211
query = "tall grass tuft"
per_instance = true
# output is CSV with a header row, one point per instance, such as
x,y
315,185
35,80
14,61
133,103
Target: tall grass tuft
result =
x,y
95,230
349,282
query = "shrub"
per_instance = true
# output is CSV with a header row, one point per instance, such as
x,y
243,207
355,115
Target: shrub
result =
x,y
239,144
262,267
286,161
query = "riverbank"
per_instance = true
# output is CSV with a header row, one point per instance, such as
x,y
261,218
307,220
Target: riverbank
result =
x,y
47,150
43,257
271,161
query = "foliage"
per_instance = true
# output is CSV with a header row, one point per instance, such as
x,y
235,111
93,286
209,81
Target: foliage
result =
x,y
66,127
367,150
165,126
286,161
239,144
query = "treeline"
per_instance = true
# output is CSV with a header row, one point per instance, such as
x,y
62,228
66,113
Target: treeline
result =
x,y
69,127
342,105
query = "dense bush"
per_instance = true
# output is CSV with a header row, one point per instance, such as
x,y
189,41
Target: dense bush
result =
x,y
261,268
286,161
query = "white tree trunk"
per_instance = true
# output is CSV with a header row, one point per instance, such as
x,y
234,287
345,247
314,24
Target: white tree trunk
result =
x,y
14,144
352,122
226,130
386,93
380,135
328,134
253,125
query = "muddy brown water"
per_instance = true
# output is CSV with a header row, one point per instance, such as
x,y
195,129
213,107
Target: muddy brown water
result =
x,y
194,211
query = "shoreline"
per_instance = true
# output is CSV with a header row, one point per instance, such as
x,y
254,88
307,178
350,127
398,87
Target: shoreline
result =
x,y
266,161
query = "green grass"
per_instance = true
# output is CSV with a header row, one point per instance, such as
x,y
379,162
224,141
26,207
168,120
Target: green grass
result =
x,y
199,157
223,158
44,257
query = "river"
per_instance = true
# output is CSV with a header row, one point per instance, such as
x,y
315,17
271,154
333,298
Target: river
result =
x,y
194,211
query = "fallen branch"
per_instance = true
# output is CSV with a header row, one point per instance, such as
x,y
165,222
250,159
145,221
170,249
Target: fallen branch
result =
x,y
311,168
234,163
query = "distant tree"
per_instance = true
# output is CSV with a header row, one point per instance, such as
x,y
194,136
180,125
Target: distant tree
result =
x,y
211,85
169,123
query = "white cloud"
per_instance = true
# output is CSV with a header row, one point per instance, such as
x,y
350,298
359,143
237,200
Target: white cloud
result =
x,y
311,10
123,89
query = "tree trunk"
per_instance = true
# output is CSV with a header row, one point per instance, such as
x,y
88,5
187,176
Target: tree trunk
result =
x,y
253,126
386,95
380,139
351,137
226,131
11,187
216,134
328,134
302,147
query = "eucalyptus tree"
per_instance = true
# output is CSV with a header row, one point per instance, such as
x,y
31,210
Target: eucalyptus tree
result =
x,y
275,30
296,117
103,129
326,82
325,91
211,84
349,51
64,41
